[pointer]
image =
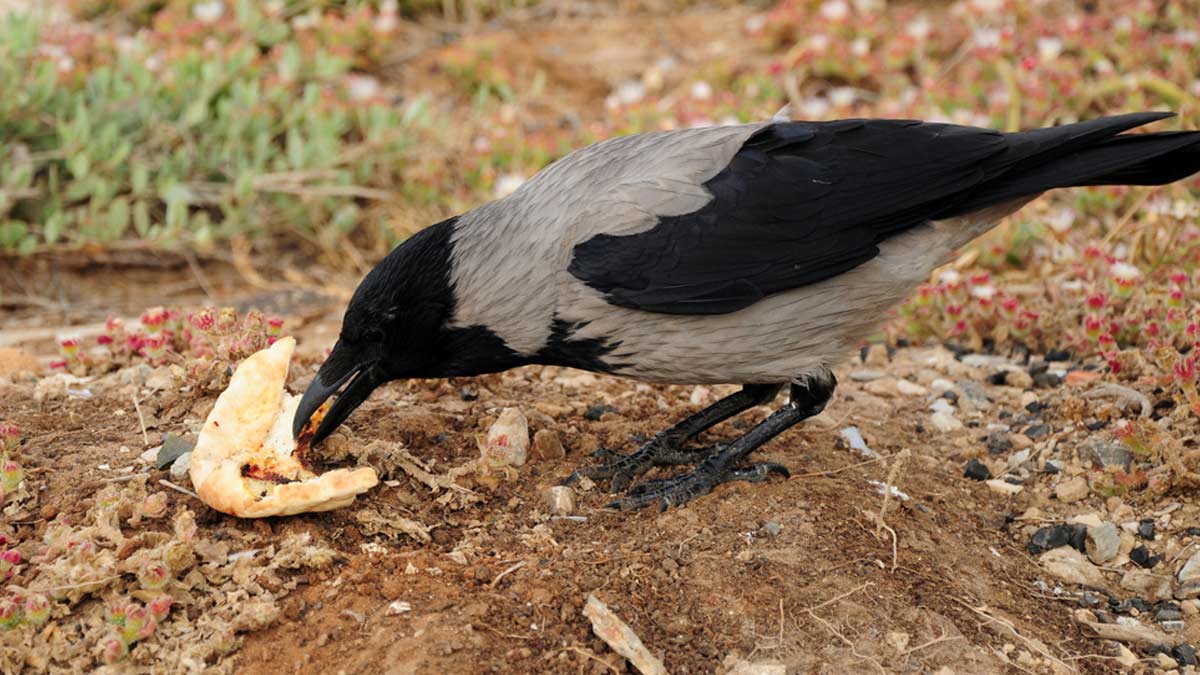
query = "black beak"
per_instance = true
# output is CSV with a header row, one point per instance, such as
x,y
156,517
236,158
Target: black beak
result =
x,y
360,379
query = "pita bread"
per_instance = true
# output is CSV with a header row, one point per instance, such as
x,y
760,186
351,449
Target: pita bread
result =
x,y
246,463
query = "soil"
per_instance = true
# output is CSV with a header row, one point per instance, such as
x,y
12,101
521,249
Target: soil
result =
x,y
795,571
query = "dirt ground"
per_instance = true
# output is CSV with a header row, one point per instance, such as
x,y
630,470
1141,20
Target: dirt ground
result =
x,y
794,572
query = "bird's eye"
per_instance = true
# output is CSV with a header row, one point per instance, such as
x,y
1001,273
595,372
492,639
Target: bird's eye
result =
x,y
373,335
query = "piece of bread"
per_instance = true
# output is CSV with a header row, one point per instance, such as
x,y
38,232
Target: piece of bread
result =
x,y
245,462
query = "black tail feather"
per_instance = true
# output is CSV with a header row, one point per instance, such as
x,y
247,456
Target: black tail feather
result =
x,y
1089,153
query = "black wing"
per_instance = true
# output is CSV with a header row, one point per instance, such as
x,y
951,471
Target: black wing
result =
x,y
802,202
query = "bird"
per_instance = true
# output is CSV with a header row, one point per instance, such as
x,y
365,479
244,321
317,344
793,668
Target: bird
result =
x,y
754,254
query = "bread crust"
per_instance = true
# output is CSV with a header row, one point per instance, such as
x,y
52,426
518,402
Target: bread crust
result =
x,y
233,454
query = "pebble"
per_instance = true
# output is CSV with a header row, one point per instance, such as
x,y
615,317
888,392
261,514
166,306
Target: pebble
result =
x,y
876,356
1037,431
1077,378
885,388
179,469
975,392
945,422
172,447
1019,379
1054,536
1185,654
1168,611
507,441
910,388
559,500
1145,529
595,412
1173,626
1141,557
1107,453
1072,490
940,386
398,607
546,445
867,375
1103,543
977,470
772,528
943,406
1072,567
1147,584
1189,578
1004,487
998,443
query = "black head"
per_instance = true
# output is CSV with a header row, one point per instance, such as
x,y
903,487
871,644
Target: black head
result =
x,y
390,329
396,327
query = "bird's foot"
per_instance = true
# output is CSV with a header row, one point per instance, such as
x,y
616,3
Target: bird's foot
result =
x,y
681,489
623,469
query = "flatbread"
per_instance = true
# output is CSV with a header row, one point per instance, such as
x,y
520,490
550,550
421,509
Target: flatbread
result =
x,y
246,463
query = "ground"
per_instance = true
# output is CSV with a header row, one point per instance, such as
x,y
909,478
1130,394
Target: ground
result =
x,y
819,573
796,572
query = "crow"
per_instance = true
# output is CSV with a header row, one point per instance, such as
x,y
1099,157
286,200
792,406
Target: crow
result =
x,y
755,254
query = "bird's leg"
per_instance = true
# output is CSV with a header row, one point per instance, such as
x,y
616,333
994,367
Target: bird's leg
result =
x,y
808,397
666,448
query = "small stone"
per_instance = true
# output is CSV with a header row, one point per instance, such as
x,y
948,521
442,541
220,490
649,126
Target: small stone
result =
x,y
1103,543
976,393
941,386
1141,557
945,422
595,412
1145,529
1124,656
1047,380
1019,379
1037,431
884,388
1173,626
546,445
506,442
1077,378
1004,487
1052,466
559,500
911,389
1156,587
1185,655
150,456
898,640
942,405
867,375
1107,453
398,607
1072,567
1189,578
772,529
1168,611
1054,536
1072,490
977,470
172,447
179,469
876,356
998,443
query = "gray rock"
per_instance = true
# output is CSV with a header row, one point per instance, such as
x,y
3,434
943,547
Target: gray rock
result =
x,y
1107,453
867,375
1103,543
173,446
975,392
1189,578
1146,584
179,469
1072,567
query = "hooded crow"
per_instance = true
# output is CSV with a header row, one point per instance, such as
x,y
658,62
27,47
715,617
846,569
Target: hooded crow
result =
x,y
757,254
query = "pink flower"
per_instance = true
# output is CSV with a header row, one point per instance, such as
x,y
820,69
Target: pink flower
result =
x,y
204,320
1123,279
160,607
10,614
1175,298
104,340
113,649
68,347
153,576
10,436
1092,326
1096,301
1185,371
1179,278
10,476
1010,306
155,347
56,364
275,327
37,609
154,319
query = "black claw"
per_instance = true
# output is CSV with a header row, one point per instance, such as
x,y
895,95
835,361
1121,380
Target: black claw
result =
x,y
681,489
